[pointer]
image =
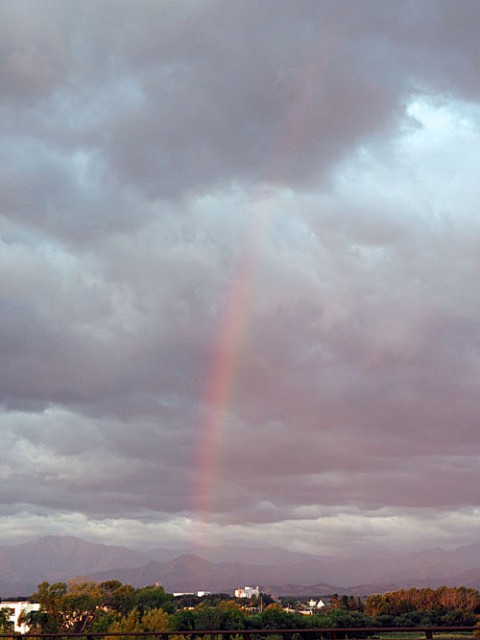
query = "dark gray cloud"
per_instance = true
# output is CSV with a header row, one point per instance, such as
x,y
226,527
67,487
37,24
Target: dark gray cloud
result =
x,y
238,271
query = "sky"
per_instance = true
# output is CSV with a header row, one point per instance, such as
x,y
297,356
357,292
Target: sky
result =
x,y
239,266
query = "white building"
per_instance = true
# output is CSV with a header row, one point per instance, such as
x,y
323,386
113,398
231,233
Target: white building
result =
x,y
200,594
313,604
15,609
247,592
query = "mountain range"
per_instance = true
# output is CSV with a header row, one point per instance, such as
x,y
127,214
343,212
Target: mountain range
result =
x,y
222,569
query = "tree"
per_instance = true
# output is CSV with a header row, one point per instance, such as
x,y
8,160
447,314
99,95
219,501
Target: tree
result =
x,y
154,597
153,620
274,617
117,596
6,625
183,620
51,600
80,605
207,618
232,615
73,608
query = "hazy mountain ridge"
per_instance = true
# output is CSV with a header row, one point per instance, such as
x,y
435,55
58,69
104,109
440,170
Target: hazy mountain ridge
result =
x,y
60,558
225,553
192,573
57,558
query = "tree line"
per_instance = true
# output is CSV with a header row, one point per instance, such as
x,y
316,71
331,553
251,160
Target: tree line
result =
x,y
445,606
110,606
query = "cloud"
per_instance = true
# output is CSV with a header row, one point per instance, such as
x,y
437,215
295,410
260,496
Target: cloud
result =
x,y
238,257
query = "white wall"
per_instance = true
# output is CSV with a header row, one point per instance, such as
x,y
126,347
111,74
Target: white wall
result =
x,y
16,609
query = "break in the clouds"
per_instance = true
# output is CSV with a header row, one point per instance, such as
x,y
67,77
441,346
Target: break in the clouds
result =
x,y
239,269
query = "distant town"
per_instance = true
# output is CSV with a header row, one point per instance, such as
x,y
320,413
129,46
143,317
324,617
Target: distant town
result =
x,y
83,607
83,590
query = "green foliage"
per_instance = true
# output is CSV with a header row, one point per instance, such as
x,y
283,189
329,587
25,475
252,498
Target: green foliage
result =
x,y
213,599
51,600
207,618
254,621
153,620
129,622
84,606
350,603
187,600
117,596
154,597
399,603
110,606
289,601
262,600
385,620
5,625
232,615
345,618
104,620
274,617
183,620
476,633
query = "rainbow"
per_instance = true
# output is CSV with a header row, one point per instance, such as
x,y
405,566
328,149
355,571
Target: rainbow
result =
x,y
220,386
233,325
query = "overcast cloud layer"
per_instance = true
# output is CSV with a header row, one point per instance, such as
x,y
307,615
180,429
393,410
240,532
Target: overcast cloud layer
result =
x,y
239,266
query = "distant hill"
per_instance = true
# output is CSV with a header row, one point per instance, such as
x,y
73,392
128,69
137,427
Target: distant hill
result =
x,y
57,558
235,553
192,573
279,571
